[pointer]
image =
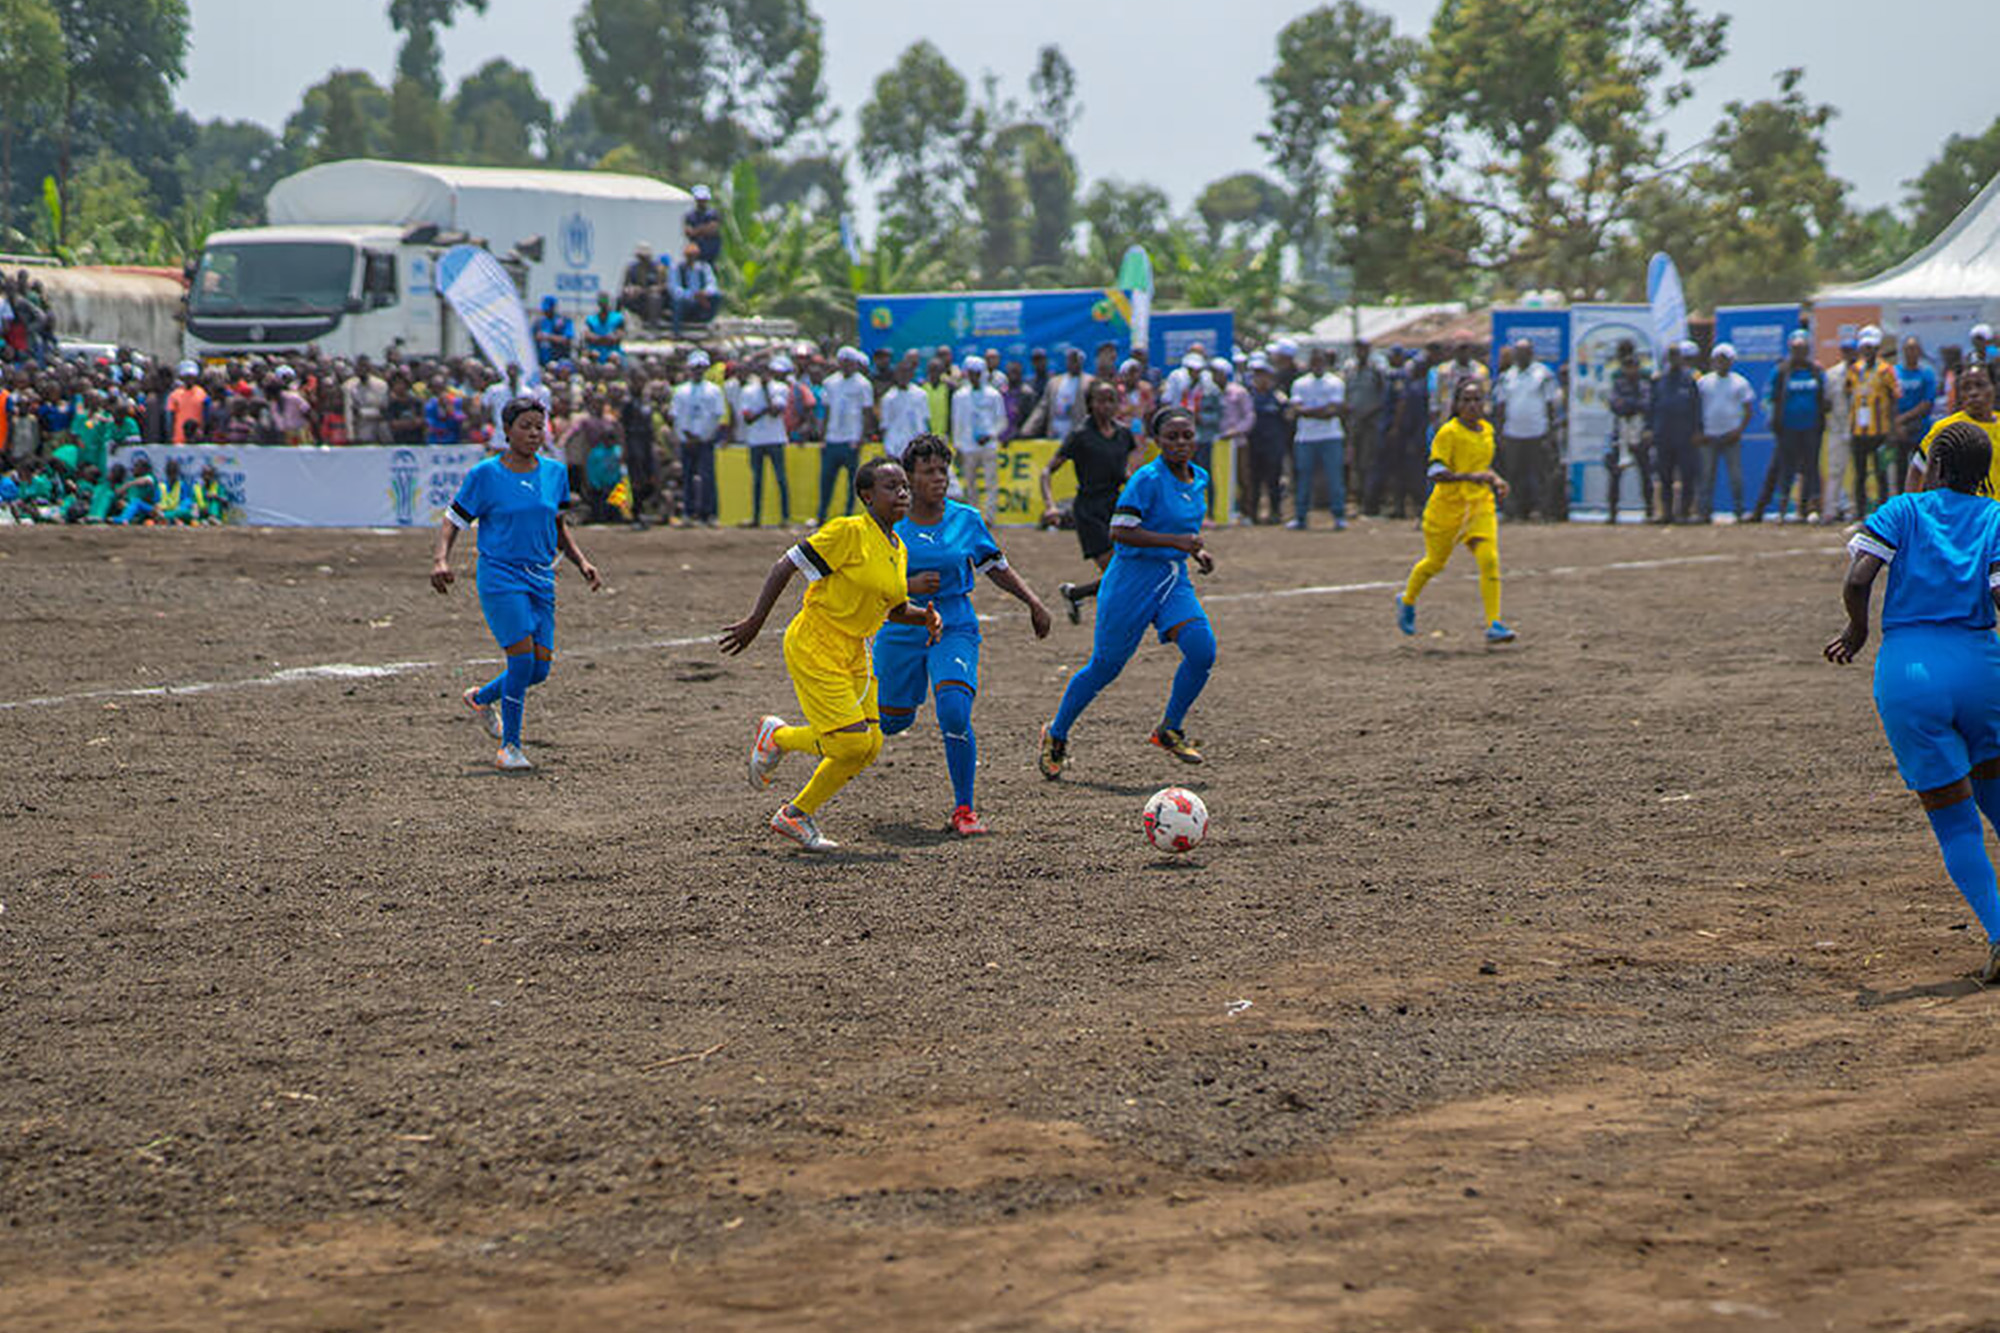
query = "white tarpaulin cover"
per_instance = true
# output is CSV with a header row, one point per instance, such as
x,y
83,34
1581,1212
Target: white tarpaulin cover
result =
x,y
1964,261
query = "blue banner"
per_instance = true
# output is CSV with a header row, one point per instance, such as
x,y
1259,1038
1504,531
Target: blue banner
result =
x,y
1758,332
1011,323
485,298
1548,330
1173,332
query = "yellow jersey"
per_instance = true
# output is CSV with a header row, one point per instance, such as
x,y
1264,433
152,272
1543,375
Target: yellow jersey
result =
x,y
1992,429
858,575
1458,448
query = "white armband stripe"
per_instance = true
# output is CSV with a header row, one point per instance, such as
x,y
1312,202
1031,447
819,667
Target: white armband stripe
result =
x,y
805,564
1865,542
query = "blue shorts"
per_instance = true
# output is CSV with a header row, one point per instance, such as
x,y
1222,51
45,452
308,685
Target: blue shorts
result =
x,y
517,609
1138,594
1937,689
907,669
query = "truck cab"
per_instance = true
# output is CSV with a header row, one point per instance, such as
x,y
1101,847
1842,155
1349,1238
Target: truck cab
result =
x,y
347,290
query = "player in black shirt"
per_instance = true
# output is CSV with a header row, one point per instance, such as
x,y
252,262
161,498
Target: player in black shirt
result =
x,y
1104,454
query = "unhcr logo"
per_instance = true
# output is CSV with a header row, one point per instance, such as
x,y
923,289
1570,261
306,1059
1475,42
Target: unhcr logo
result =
x,y
579,239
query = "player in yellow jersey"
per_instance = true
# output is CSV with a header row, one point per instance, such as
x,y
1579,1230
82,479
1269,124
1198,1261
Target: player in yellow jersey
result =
x,y
1975,402
1462,508
859,577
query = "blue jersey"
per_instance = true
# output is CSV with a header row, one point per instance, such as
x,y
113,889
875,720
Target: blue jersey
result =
x,y
1940,547
1158,501
957,548
516,513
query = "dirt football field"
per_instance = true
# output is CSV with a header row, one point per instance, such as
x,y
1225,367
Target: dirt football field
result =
x,y
1605,981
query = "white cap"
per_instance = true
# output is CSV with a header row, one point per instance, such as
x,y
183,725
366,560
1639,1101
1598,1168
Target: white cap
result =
x,y
1258,361
1689,347
782,364
287,373
700,192
849,354
1221,366
1724,349
1194,361
1981,331
1127,364
697,360
1799,338
1870,336
1286,347
973,363
187,368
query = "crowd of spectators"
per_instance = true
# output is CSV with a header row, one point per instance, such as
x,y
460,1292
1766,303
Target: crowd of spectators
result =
x,y
1304,429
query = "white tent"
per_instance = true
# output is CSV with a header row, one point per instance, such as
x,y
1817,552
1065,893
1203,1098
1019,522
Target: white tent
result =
x,y
453,198
1962,263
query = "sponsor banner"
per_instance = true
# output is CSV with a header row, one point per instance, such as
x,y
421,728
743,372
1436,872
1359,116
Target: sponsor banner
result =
x,y
1759,334
1173,332
1595,332
1018,496
1833,324
486,300
1548,330
1670,311
358,486
1011,323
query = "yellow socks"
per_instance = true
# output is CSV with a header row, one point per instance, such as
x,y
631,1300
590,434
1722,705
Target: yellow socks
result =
x,y
847,753
1488,556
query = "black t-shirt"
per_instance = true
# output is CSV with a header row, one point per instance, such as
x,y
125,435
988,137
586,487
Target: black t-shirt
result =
x,y
636,418
1099,459
406,419
700,216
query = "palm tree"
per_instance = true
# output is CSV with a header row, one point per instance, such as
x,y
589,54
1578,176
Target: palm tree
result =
x,y
789,266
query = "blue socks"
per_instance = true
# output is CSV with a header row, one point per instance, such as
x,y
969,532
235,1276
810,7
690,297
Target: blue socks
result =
x,y
1962,838
961,750
1197,644
514,682
490,691
1083,687
1986,795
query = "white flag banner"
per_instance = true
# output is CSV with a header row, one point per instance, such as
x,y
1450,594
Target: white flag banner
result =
x,y
1670,311
484,297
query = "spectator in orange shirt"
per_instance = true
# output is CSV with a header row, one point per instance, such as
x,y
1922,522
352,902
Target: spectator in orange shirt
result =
x,y
186,405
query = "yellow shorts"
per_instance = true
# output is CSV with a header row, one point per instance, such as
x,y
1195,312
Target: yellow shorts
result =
x,y
831,674
1454,522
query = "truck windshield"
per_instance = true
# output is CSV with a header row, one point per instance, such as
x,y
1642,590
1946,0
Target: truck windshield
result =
x,y
273,278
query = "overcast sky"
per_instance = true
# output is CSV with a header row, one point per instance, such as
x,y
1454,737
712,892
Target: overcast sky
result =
x,y
1169,87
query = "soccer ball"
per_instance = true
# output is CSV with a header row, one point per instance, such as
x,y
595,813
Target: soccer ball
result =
x,y
1176,820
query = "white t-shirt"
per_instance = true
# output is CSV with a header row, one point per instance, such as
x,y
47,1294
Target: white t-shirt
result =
x,y
976,415
1319,391
906,414
767,398
1723,398
1065,391
1526,397
697,409
846,396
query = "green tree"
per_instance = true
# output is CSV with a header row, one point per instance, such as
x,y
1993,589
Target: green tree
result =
x,y
913,131
1329,59
419,21
1560,99
31,71
117,53
1942,190
1245,204
1049,178
1052,88
110,217
698,85
790,265
499,118
1117,216
344,115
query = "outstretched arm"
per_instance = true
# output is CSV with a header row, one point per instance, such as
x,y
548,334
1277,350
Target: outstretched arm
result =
x,y
737,637
1005,579
1854,590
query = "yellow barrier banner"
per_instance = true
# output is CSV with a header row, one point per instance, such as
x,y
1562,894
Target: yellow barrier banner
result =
x,y
1017,497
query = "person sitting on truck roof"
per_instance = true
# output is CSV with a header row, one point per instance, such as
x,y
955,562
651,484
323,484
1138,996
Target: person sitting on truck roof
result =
x,y
697,297
604,332
645,288
555,334
703,226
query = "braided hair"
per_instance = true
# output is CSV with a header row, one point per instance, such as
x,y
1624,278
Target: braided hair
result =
x,y
1159,419
925,446
1962,458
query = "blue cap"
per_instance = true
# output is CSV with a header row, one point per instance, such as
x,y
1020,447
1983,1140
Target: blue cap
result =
x,y
1849,345
548,303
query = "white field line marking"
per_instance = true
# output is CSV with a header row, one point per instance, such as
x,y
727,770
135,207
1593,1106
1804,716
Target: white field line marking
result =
x,y
349,671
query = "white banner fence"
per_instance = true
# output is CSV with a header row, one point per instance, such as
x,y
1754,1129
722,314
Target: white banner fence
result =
x,y
304,486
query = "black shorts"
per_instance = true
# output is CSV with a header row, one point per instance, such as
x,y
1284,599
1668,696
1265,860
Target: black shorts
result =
x,y
1093,523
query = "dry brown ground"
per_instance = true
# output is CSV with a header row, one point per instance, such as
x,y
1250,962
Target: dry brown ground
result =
x,y
1609,981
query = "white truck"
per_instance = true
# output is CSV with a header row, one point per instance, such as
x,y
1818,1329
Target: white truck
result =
x,y
348,263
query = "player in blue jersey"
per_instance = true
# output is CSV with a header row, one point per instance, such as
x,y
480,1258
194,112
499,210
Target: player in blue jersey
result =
x,y
948,543
1937,673
1155,531
516,498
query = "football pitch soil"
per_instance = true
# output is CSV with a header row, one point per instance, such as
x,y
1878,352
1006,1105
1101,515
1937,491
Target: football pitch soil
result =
x,y
1609,980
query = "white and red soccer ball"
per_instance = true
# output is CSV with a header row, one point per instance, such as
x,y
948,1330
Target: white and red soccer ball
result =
x,y
1176,820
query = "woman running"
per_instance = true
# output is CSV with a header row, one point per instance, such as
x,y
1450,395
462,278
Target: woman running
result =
x,y
516,498
1463,508
1155,529
858,574
1975,407
1937,673
947,543
1104,453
